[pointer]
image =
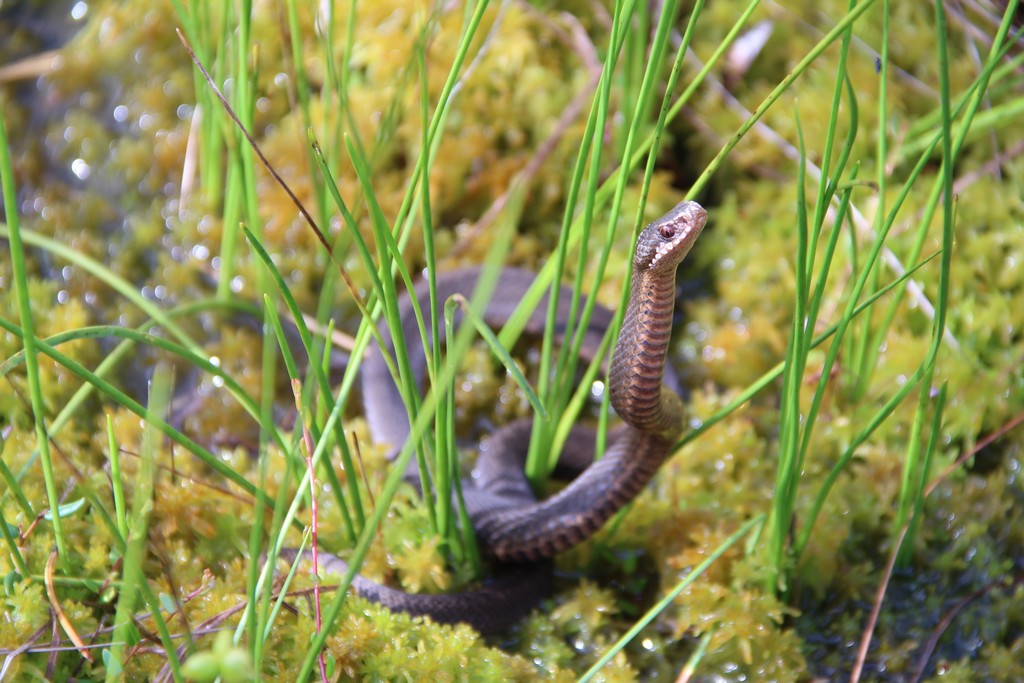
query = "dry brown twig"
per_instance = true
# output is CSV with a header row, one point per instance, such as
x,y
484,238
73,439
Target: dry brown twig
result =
x,y
29,67
577,37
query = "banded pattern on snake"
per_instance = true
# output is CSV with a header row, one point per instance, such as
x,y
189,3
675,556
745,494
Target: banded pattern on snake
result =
x,y
521,533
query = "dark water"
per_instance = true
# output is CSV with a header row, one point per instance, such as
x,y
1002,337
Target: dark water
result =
x,y
32,26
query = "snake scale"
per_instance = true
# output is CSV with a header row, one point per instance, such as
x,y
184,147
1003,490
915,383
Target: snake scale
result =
x,y
518,531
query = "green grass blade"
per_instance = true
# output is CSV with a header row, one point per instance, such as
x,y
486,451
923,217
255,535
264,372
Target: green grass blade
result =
x,y
11,481
117,485
6,529
968,107
839,29
795,428
107,277
787,474
773,374
914,472
903,556
540,457
419,426
127,402
567,360
660,606
517,321
35,390
319,378
502,354
125,631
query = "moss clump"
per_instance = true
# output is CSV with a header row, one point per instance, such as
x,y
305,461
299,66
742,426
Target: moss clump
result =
x,y
54,311
100,169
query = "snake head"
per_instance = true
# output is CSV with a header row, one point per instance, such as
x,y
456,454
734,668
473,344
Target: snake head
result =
x,y
664,243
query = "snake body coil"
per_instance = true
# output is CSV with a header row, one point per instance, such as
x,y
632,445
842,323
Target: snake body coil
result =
x,y
514,528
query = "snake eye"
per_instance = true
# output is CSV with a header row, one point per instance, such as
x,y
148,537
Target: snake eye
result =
x,y
667,231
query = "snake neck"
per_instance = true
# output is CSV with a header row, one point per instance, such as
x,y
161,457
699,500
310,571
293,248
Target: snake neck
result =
x,y
638,363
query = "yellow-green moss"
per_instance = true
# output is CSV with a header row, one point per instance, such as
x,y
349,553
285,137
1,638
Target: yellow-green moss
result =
x,y
130,214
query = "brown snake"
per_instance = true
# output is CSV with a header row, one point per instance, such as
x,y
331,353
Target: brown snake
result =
x,y
521,533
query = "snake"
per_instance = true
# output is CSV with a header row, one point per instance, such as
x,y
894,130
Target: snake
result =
x,y
520,533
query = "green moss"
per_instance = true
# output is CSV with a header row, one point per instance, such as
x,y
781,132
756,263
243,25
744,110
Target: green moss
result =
x,y
133,213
